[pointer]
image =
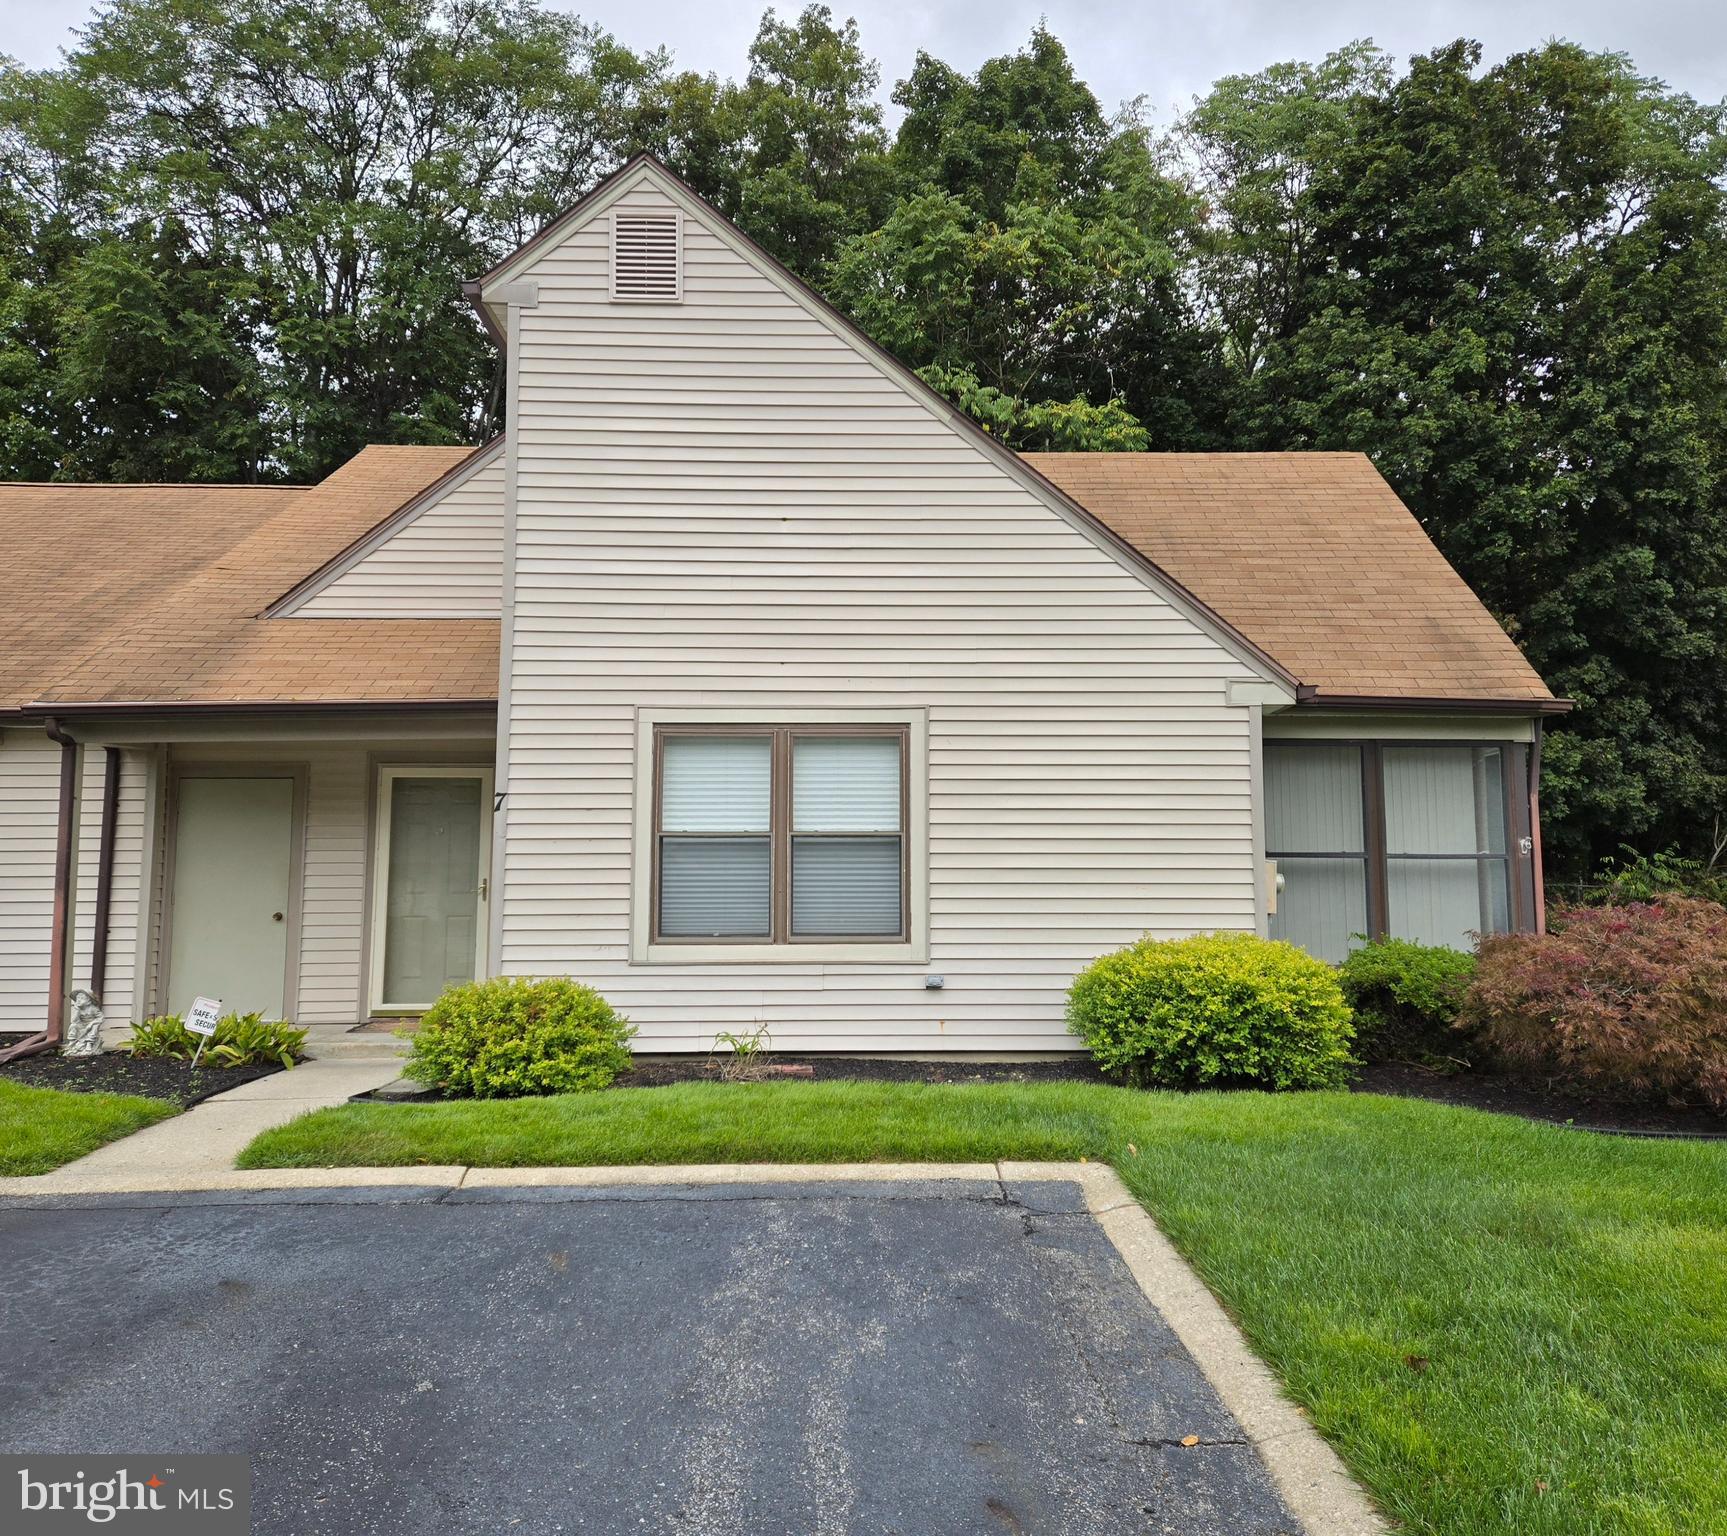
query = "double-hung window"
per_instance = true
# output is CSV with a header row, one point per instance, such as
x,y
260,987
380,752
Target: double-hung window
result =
x,y
782,834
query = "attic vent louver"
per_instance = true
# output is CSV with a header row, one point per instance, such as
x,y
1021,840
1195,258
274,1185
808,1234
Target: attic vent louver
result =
x,y
647,255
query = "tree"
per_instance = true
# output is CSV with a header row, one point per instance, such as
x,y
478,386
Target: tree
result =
x,y
1510,293
304,185
1031,266
794,154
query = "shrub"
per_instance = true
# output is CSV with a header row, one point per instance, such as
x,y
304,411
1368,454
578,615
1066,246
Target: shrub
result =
x,y
1226,1008
1629,1000
511,1036
241,1040
1405,996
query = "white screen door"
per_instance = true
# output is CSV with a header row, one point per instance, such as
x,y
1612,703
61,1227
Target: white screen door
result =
x,y
233,853
430,886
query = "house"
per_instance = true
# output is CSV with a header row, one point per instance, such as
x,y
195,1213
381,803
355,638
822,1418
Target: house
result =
x,y
742,678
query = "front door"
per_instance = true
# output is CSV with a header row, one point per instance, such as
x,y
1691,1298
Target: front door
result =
x,y
429,883
228,926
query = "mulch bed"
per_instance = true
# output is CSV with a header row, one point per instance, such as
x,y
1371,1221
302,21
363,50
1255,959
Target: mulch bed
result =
x,y
150,1077
1514,1096
658,1074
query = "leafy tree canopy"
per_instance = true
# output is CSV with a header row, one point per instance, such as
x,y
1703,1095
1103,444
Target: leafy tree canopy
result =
x,y
232,236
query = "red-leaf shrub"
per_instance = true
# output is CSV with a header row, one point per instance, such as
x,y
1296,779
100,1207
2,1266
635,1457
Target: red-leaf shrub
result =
x,y
1628,1001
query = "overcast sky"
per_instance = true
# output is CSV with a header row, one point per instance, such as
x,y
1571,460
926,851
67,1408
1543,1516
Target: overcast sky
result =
x,y
1166,52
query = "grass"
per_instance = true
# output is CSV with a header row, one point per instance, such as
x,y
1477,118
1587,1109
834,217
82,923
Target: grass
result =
x,y
1502,1326
41,1128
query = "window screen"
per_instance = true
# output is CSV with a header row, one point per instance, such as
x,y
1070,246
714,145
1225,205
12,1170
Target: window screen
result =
x,y
1446,868
716,844
845,834
1315,829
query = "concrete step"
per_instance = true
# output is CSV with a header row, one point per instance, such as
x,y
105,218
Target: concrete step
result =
x,y
330,1042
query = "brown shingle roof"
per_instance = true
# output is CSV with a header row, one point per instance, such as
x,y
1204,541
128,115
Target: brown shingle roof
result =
x,y
80,562
151,594
1314,559
190,634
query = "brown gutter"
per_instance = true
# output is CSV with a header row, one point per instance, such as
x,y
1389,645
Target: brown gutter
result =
x,y
1428,704
98,707
105,870
59,937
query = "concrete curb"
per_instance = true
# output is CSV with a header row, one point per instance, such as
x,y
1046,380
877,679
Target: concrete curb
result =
x,y
1308,1473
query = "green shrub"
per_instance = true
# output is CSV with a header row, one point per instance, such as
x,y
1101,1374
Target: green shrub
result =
x,y
1221,1008
509,1036
1405,996
241,1040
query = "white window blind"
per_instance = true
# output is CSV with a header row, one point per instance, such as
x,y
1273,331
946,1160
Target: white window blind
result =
x,y
846,843
845,784
716,783
716,853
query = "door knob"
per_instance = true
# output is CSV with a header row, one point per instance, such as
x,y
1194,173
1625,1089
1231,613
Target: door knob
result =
x,y
275,917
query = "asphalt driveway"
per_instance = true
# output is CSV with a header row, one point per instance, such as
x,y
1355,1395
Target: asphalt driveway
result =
x,y
928,1359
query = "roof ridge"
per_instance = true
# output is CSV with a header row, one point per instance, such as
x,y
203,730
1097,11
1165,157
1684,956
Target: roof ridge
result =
x,y
150,485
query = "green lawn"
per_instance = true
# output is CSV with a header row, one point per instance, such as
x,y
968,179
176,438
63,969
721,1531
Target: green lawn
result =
x,y
41,1128
1503,1327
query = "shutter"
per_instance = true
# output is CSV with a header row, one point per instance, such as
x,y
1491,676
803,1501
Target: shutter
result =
x,y
647,255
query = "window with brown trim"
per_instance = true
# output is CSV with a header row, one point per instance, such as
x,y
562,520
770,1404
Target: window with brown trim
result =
x,y
780,834
1411,839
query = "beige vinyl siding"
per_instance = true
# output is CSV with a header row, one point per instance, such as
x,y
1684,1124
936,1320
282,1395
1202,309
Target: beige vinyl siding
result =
x,y
333,893
126,899
443,563
720,503
29,809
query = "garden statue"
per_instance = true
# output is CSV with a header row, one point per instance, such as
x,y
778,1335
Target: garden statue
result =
x,y
84,1028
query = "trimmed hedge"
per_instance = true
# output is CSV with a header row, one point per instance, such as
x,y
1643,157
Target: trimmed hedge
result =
x,y
1218,1009
511,1036
1627,1001
1405,996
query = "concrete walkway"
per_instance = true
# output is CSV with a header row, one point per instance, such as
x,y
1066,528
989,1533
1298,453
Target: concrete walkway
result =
x,y
208,1137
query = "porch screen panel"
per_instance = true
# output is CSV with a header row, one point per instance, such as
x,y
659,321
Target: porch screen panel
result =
x,y
1447,874
715,836
1316,832
847,849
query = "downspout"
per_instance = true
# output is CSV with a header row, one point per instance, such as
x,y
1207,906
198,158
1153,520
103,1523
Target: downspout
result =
x,y
105,871
59,937
1535,875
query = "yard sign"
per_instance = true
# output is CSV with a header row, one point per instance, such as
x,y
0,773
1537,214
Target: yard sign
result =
x,y
201,1020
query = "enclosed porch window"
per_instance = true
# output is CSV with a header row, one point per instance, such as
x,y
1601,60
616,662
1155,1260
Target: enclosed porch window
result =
x,y
1413,840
